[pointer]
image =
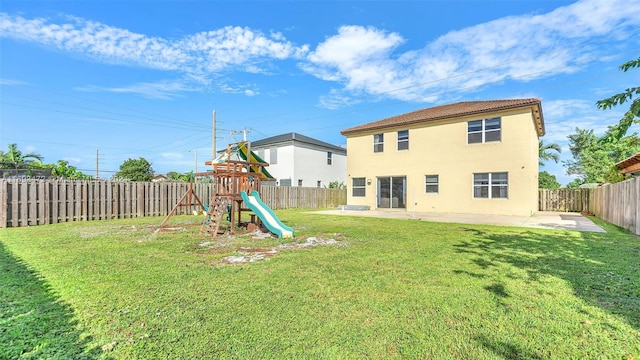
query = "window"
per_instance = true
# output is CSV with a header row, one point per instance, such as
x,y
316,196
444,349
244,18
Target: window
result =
x,y
491,185
329,157
378,142
403,140
285,182
319,183
482,131
273,153
431,184
392,192
299,182
358,186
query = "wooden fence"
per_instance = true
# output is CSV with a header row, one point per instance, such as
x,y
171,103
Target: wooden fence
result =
x,y
617,203
38,202
569,200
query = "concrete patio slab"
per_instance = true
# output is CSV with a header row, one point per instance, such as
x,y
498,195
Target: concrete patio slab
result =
x,y
540,220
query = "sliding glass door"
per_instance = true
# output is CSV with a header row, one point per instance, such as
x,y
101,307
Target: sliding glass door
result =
x,y
392,192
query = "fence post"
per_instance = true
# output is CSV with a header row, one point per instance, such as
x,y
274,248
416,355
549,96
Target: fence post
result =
x,y
4,203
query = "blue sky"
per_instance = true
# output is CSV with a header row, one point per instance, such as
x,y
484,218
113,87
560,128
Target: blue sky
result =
x,y
141,78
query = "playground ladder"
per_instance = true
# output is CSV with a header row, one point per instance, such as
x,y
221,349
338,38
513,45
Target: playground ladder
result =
x,y
217,208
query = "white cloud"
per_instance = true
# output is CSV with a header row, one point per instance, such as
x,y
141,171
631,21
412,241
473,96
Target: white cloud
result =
x,y
519,48
164,90
337,99
198,56
363,60
9,82
172,155
563,116
73,160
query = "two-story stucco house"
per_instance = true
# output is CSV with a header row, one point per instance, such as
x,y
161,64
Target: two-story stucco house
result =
x,y
298,160
475,157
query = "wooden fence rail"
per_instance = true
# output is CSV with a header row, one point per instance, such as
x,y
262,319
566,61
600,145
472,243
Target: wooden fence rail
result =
x,y
569,200
45,201
617,203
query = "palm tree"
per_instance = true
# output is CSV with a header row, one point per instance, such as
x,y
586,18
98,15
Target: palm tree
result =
x,y
545,152
15,159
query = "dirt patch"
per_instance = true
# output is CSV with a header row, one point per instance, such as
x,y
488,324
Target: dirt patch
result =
x,y
248,255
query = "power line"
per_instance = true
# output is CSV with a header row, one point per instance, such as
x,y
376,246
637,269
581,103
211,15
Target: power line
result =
x,y
174,122
101,117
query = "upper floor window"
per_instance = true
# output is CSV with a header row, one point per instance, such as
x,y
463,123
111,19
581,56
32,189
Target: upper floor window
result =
x,y
491,185
403,140
273,155
329,157
378,142
482,131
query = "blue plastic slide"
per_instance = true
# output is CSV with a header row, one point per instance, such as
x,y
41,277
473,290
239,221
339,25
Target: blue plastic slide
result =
x,y
268,217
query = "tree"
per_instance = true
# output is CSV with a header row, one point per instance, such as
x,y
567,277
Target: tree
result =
x,y
575,183
581,140
337,185
545,152
15,159
135,170
594,158
616,132
547,181
64,170
175,176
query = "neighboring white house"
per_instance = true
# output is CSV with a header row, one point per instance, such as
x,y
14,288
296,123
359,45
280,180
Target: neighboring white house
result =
x,y
298,160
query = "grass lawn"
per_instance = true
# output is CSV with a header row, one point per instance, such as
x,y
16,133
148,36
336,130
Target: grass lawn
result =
x,y
389,289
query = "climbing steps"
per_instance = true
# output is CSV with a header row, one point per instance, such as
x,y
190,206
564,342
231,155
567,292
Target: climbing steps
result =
x,y
215,213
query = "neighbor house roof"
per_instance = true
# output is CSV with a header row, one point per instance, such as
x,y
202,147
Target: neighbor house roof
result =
x,y
630,165
295,137
458,109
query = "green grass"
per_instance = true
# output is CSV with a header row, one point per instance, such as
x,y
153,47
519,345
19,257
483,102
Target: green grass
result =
x,y
394,289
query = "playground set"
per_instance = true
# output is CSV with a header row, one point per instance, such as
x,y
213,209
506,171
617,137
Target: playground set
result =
x,y
237,176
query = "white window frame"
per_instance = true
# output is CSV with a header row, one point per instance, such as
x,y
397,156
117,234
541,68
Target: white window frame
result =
x,y
431,183
329,158
362,187
495,186
378,142
403,140
485,129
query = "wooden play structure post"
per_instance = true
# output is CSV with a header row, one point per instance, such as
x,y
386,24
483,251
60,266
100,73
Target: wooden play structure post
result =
x,y
230,178
189,196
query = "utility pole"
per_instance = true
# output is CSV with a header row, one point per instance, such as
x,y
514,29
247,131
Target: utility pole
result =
x,y
213,139
195,160
97,172
243,131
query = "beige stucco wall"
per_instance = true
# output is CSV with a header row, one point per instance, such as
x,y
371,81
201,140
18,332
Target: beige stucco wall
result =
x,y
441,148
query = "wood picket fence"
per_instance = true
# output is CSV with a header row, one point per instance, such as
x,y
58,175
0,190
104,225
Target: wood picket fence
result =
x,y
27,202
566,200
617,203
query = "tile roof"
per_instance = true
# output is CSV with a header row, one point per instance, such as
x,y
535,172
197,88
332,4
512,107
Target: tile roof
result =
x,y
458,109
295,137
